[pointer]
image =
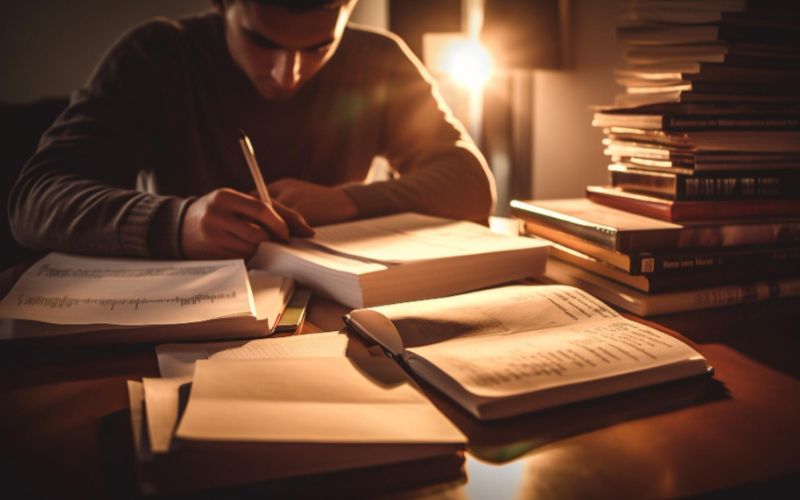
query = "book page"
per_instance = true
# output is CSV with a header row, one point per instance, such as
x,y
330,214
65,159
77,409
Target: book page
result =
x,y
530,361
316,400
68,289
497,311
178,360
176,363
411,237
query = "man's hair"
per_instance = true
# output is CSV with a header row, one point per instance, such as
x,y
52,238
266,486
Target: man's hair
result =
x,y
292,5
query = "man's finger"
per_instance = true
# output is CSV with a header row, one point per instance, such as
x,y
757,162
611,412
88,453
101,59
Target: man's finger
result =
x,y
256,211
296,222
248,232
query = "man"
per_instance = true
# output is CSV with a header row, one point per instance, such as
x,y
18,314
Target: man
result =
x,y
318,99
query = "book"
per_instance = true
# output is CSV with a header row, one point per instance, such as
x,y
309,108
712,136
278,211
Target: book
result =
x,y
646,305
685,211
116,300
771,141
402,257
689,278
764,257
512,350
628,232
747,30
639,86
738,54
663,97
687,123
236,429
670,73
726,185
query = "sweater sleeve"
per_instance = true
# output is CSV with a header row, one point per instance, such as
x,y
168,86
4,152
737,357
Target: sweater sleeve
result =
x,y
441,171
76,194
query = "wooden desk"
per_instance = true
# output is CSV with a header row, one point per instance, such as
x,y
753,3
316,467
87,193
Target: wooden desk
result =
x,y
64,426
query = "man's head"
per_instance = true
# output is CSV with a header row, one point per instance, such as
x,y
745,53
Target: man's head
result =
x,y
282,44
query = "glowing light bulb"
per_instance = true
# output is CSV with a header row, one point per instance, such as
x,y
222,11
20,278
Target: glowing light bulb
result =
x,y
468,63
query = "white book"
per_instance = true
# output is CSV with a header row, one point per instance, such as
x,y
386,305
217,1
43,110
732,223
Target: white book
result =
x,y
511,350
114,300
402,257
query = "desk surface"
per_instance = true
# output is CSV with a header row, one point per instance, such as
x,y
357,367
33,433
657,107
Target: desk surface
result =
x,y
65,431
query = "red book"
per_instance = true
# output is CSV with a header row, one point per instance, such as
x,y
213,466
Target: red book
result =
x,y
688,211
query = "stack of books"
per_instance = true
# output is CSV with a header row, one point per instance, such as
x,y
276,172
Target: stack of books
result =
x,y
704,143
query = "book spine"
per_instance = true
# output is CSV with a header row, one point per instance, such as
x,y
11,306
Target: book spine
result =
x,y
715,188
602,236
653,263
694,211
697,123
667,303
708,298
770,33
708,188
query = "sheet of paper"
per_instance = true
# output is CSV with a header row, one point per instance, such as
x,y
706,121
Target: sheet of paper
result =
x,y
319,400
162,406
496,311
68,289
176,363
524,362
411,237
177,360
270,294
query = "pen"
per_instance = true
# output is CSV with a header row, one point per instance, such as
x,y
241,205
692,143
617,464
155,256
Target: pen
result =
x,y
250,157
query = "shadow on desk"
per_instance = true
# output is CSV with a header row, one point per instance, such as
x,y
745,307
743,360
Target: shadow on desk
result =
x,y
766,332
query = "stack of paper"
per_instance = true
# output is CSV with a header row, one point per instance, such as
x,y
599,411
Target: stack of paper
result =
x,y
402,257
282,407
131,300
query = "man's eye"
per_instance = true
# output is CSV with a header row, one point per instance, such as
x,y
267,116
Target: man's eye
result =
x,y
319,50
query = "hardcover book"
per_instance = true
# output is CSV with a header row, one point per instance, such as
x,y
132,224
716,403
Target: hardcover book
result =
x,y
628,232
720,186
686,211
646,304
762,257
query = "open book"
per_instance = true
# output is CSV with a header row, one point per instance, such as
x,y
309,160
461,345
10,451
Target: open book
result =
x,y
113,300
276,408
516,349
402,257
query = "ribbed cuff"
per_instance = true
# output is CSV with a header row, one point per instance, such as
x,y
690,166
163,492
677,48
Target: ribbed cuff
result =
x,y
372,199
152,227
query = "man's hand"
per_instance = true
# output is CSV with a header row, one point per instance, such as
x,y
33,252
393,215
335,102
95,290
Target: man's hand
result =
x,y
228,224
318,204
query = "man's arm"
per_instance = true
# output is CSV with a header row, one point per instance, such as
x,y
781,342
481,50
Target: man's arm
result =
x,y
441,171
76,193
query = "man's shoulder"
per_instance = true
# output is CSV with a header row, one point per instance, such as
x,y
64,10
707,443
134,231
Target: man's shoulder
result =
x,y
359,37
163,34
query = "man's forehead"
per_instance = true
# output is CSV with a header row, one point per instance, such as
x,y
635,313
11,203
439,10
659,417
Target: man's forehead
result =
x,y
294,29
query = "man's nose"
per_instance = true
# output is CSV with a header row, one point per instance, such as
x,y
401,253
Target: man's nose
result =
x,y
286,69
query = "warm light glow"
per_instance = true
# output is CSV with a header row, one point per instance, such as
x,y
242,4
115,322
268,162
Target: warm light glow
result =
x,y
468,63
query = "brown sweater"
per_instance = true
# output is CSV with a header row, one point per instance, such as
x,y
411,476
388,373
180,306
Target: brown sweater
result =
x,y
168,100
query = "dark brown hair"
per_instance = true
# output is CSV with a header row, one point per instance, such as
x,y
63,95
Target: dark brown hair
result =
x,y
292,5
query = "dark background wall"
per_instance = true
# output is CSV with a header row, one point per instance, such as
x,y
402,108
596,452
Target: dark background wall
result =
x,y
50,47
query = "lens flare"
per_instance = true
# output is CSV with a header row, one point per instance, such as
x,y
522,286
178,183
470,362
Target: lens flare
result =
x,y
468,63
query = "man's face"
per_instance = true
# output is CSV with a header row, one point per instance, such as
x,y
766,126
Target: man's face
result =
x,y
281,50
